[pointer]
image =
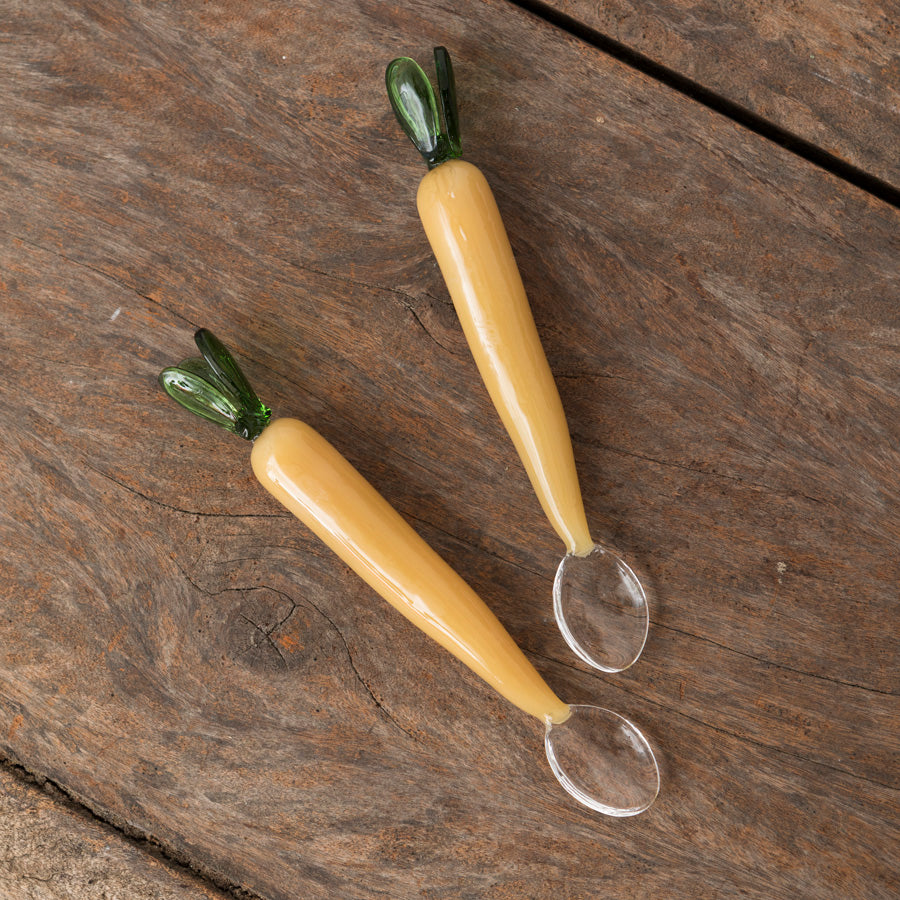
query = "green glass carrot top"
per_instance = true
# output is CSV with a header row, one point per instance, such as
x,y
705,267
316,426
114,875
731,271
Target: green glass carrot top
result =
x,y
412,98
214,387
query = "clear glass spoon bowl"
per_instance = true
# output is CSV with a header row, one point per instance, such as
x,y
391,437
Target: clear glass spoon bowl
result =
x,y
601,609
603,760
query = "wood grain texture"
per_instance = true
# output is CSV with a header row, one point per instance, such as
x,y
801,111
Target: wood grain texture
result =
x,y
723,323
828,73
52,850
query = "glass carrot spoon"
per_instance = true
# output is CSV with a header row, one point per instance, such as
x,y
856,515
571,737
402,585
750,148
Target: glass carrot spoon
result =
x,y
598,601
599,757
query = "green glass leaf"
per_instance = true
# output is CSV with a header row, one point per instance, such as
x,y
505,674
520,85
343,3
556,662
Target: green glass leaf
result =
x,y
415,106
198,395
413,101
223,365
216,389
447,91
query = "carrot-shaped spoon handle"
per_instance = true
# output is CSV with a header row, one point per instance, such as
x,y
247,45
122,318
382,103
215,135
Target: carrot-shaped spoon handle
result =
x,y
599,603
314,481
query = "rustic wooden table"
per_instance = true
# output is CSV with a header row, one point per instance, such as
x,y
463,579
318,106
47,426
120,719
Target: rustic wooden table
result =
x,y
703,202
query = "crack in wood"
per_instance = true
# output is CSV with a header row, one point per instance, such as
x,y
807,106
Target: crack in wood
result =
x,y
294,606
124,285
267,635
717,103
766,488
776,665
720,730
580,376
133,836
185,512
356,671
405,296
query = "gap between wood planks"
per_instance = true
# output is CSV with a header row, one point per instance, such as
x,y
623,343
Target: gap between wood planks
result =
x,y
66,799
723,106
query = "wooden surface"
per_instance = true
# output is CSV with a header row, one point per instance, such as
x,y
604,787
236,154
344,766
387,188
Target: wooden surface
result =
x,y
823,72
52,849
184,659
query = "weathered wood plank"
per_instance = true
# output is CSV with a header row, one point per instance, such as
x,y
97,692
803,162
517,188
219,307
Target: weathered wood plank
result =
x,y
722,318
52,850
828,73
